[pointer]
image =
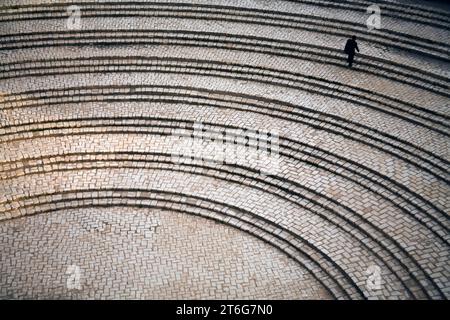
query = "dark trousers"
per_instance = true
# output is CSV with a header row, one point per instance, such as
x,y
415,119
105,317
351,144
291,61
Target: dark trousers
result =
x,y
350,58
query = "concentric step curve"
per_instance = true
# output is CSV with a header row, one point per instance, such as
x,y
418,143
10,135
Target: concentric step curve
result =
x,y
244,117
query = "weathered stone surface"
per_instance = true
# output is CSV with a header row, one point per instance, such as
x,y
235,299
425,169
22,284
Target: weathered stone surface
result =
x,y
92,121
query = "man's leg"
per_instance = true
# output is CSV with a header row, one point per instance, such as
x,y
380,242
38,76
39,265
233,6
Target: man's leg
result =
x,y
350,59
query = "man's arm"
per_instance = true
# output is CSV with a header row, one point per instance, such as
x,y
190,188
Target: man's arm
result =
x,y
357,49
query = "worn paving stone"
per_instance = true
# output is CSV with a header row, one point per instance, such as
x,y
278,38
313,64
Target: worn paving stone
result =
x,y
356,184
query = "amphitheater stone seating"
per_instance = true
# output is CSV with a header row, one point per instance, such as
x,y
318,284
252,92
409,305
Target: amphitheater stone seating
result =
x,y
222,149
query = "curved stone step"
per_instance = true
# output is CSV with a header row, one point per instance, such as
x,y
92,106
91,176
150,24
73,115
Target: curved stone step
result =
x,y
440,171
371,65
154,160
393,39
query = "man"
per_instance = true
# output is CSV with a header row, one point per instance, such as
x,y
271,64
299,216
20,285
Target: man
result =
x,y
350,48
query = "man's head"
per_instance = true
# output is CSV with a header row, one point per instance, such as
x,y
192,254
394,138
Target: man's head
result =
x,y
354,37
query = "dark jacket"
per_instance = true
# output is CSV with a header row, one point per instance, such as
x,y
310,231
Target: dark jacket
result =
x,y
351,46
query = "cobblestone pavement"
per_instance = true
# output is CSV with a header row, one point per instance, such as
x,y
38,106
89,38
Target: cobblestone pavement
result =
x,y
222,149
139,253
